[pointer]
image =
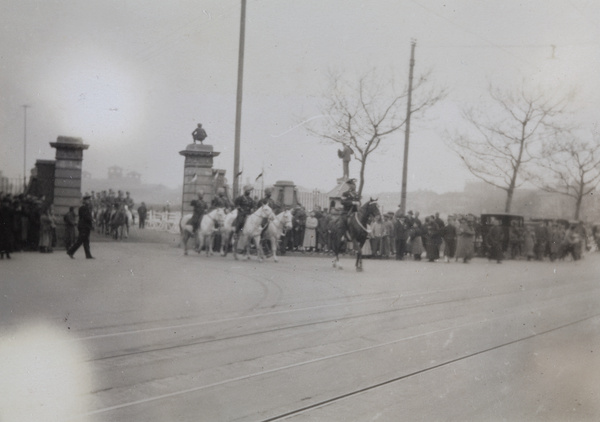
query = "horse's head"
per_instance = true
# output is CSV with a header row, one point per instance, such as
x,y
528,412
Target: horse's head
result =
x,y
220,215
266,212
288,218
372,208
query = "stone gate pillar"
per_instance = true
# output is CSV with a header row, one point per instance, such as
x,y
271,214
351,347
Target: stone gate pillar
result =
x,y
67,179
197,174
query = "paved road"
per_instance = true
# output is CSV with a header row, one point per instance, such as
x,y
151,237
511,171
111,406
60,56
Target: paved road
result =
x,y
144,333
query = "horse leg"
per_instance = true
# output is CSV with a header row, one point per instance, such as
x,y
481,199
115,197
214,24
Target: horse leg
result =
x,y
273,241
209,247
184,239
259,250
359,256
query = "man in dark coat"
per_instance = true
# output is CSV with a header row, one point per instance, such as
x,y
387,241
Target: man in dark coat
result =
x,y
495,240
6,227
70,220
220,200
85,226
350,202
142,213
244,205
199,210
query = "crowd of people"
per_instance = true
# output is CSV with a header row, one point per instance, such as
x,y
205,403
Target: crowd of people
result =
x,y
28,223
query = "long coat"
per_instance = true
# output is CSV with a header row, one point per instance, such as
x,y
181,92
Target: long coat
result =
x,y
465,244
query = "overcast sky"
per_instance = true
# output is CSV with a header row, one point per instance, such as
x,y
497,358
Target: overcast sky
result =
x,y
133,78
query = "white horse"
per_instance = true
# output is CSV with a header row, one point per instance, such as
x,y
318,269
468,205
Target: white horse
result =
x,y
227,231
252,230
128,221
208,227
277,228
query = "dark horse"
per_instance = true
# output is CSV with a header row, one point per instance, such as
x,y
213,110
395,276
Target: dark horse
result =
x,y
357,228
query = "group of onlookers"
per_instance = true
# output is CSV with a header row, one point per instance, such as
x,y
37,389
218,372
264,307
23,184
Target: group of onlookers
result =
x,y
114,212
551,239
27,223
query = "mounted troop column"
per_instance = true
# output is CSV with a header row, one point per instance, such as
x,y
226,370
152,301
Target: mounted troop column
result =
x,y
197,174
67,179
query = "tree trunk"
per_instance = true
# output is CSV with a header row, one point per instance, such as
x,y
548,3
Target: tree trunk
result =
x,y
509,196
361,183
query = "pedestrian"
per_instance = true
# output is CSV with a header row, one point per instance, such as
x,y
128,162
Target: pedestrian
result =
x,y
85,226
465,244
142,214
70,220
401,234
6,228
529,243
495,242
310,232
47,227
449,234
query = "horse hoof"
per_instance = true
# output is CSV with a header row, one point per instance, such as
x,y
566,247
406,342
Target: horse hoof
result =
x,y
358,269
276,260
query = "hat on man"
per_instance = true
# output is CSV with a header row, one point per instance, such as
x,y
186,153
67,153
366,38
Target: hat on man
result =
x,y
86,197
351,182
268,191
248,188
410,213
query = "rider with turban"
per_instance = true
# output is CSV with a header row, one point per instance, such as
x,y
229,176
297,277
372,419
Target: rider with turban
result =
x,y
245,205
199,210
268,200
221,200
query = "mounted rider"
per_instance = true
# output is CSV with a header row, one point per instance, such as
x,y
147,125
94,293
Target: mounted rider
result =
x,y
350,202
268,200
245,205
199,210
220,200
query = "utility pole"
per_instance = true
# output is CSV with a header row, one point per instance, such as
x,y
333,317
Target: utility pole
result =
x,y
238,108
413,43
25,107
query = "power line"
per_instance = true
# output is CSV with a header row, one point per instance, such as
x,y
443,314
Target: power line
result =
x,y
498,46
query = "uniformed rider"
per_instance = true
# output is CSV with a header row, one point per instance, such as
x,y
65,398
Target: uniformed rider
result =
x,y
268,200
221,200
350,203
244,205
199,210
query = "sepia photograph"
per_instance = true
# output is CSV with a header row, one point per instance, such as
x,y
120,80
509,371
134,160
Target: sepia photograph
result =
x,y
278,210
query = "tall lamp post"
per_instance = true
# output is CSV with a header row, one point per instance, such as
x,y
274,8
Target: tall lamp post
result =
x,y
238,108
407,128
25,107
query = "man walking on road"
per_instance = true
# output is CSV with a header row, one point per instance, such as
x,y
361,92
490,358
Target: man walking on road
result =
x,y
85,226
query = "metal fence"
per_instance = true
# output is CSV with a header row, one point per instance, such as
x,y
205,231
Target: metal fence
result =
x,y
163,221
12,185
169,221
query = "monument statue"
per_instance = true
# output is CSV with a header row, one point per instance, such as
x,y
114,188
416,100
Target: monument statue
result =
x,y
346,156
199,134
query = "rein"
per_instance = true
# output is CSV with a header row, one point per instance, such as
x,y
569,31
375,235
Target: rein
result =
x,y
360,224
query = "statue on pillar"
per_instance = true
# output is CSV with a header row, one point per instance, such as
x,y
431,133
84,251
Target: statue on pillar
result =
x,y
199,134
346,156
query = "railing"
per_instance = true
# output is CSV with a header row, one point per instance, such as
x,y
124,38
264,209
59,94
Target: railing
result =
x,y
169,221
163,221
12,185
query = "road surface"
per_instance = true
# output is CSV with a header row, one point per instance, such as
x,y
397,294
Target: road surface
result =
x,y
143,333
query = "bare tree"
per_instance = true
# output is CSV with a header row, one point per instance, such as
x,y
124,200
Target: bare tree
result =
x,y
573,167
361,115
502,140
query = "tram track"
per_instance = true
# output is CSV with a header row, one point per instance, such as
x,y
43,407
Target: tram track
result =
x,y
415,373
210,339
296,365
